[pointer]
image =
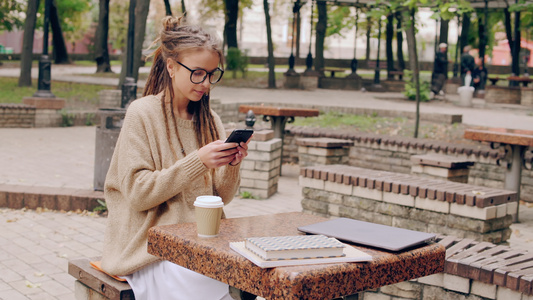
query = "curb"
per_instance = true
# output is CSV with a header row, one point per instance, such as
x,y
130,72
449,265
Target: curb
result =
x,y
54,198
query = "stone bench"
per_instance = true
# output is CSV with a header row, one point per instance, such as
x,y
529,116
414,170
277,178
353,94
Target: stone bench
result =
x,y
440,166
473,270
322,151
92,284
408,201
392,74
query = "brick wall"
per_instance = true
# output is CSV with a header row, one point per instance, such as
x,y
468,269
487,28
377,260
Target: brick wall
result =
x,y
393,153
17,116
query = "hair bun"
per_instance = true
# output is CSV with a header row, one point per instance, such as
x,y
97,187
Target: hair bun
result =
x,y
170,23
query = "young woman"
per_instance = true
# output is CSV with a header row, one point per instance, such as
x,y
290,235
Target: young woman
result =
x,y
169,152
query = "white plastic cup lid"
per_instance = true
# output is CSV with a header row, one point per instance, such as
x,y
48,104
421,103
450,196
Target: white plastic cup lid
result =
x,y
209,201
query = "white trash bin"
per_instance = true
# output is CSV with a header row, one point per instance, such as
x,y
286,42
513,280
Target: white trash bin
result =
x,y
466,93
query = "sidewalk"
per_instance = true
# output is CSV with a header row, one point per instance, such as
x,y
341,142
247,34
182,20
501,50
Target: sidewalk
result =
x,y
36,245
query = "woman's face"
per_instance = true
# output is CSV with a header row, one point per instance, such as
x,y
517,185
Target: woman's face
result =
x,y
184,88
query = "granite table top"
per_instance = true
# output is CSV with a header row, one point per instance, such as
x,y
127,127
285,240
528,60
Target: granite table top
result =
x,y
279,111
501,135
214,258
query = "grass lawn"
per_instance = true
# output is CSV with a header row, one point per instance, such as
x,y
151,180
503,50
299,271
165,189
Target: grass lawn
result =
x,y
386,126
77,95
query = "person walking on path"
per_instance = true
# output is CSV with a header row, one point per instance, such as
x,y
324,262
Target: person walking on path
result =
x,y
169,151
468,64
440,70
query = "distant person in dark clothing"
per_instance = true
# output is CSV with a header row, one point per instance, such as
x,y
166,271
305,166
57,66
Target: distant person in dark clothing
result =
x,y
468,64
479,76
440,70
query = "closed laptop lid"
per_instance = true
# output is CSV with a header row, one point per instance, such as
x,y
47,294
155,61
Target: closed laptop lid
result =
x,y
369,234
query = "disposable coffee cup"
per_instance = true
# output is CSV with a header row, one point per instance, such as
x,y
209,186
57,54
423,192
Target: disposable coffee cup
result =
x,y
208,211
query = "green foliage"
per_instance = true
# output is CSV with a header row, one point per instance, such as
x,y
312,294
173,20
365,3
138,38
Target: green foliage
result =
x,y
89,119
118,23
247,195
11,16
410,89
102,207
339,20
237,60
67,119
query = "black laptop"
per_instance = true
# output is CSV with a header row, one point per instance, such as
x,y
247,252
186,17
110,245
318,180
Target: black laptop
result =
x,y
369,234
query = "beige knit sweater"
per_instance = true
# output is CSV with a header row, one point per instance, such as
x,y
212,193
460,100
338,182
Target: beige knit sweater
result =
x,y
146,186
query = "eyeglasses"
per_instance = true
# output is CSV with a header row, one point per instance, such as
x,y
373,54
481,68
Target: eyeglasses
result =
x,y
199,75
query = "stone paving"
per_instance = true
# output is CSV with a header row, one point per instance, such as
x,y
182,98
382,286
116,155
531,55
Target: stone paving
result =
x,y
36,245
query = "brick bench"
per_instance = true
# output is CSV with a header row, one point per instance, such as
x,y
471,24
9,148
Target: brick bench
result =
x,y
485,269
322,151
473,270
408,201
440,166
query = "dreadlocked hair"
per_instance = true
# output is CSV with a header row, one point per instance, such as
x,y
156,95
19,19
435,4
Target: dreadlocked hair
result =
x,y
175,39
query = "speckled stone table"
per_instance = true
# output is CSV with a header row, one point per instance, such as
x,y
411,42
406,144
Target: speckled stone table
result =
x,y
214,258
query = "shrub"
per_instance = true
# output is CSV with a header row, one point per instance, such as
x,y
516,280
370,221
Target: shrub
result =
x,y
410,89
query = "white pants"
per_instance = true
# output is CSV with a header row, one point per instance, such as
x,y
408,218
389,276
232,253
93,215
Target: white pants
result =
x,y
166,280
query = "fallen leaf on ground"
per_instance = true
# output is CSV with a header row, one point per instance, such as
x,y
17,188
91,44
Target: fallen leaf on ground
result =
x,y
32,285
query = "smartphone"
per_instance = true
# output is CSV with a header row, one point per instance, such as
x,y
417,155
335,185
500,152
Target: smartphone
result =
x,y
239,135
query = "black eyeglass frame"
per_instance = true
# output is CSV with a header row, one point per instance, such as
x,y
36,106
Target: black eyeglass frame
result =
x,y
206,73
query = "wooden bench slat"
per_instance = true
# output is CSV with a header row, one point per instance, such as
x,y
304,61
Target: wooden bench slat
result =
x,y
513,278
453,262
486,271
464,266
460,246
515,265
107,286
526,284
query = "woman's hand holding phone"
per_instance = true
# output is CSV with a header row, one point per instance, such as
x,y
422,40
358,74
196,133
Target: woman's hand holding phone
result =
x,y
232,151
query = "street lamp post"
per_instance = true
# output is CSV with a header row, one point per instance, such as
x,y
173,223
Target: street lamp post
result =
x,y
354,63
45,63
292,59
309,59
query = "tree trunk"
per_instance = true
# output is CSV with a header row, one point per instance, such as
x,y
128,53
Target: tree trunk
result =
x,y
271,61
60,48
444,25
516,53
482,36
230,28
399,40
508,28
26,55
103,64
388,45
413,63
367,50
320,35
168,11
141,13
464,31
298,32
183,7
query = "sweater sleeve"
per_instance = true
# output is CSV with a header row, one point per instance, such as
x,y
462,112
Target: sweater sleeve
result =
x,y
142,180
227,178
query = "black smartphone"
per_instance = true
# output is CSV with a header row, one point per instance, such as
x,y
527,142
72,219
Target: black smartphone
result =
x,y
239,135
